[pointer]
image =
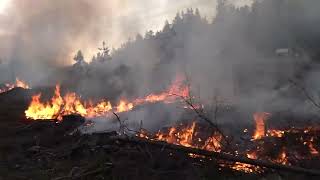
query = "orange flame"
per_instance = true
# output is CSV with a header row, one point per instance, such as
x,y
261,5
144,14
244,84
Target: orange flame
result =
x,y
187,136
313,150
67,105
213,143
21,84
72,104
252,155
275,133
18,83
180,137
260,118
282,158
247,168
176,90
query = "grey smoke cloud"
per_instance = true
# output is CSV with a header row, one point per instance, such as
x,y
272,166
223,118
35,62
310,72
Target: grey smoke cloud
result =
x,y
46,33
49,32
39,35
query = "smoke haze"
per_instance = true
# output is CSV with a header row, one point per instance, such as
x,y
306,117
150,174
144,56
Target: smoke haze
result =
x,y
53,30
234,57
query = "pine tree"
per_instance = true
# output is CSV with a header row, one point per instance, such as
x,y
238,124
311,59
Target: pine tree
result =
x,y
166,27
94,59
79,57
177,20
149,35
139,37
103,55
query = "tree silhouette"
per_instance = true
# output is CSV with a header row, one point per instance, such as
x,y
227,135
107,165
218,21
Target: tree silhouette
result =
x,y
103,56
79,57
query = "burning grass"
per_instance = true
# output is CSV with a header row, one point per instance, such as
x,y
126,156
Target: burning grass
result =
x,y
17,83
281,146
188,136
71,103
289,146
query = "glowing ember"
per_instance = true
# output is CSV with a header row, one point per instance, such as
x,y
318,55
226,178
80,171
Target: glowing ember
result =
x,y
213,143
282,158
18,83
252,155
313,150
260,119
275,133
247,168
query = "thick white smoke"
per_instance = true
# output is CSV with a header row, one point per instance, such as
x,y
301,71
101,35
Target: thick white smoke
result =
x,y
42,34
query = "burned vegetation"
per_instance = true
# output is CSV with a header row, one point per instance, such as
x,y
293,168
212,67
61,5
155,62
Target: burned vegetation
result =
x,y
58,140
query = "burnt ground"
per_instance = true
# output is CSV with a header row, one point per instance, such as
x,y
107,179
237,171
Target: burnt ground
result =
x,y
47,150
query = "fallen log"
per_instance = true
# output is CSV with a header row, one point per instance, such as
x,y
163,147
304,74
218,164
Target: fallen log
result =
x,y
219,155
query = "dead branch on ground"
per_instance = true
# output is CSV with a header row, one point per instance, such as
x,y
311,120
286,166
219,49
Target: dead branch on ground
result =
x,y
201,114
220,156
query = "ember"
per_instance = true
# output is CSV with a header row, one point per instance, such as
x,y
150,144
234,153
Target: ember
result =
x,y
313,151
282,158
247,168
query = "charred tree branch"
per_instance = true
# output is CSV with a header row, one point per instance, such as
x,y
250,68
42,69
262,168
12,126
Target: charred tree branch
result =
x,y
201,115
305,93
221,156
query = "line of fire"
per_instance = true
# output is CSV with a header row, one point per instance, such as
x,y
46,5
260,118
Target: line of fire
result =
x,y
286,146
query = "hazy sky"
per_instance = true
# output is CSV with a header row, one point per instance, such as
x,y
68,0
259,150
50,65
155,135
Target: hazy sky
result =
x,y
113,21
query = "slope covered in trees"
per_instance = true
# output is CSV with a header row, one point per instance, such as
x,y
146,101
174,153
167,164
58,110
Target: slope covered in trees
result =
x,y
244,52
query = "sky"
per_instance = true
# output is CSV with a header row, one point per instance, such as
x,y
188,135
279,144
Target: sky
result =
x,y
3,5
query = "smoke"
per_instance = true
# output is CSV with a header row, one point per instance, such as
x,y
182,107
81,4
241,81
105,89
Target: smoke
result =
x,y
44,34
233,58
41,35
54,29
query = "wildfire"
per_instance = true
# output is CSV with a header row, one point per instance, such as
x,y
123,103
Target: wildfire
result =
x,y
188,136
18,83
191,135
182,137
213,143
282,158
260,118
71,103
176,90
